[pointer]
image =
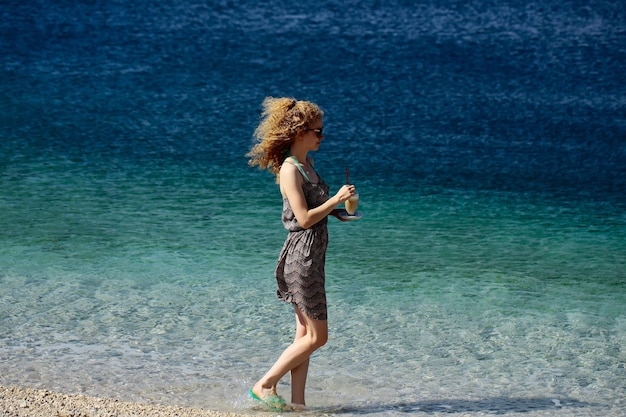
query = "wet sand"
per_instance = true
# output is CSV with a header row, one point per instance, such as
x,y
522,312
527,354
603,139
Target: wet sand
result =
x,y
25,402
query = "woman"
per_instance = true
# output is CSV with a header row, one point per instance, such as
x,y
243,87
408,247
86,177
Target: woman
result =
x,y
289,129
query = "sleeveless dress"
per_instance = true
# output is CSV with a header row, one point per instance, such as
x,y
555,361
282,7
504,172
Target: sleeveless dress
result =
x,y
300,271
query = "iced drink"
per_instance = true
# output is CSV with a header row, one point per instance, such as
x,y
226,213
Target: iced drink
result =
x,y
352,203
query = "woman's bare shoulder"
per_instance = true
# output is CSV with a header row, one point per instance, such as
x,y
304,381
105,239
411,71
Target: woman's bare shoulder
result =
x,y
290,178
288,167
289,172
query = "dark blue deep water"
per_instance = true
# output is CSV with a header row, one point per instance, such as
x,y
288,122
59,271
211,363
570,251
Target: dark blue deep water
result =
x,y
487,141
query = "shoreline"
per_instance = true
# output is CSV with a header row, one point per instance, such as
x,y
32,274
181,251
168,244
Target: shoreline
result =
x,y
28,402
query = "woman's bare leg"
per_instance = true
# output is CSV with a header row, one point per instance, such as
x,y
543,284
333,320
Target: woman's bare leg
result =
x,y
300,372
296,354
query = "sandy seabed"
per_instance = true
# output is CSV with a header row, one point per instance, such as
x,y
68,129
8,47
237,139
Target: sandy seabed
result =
x,y
25,402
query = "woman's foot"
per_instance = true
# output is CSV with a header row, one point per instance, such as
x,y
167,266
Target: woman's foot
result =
x,y
297,407
270,398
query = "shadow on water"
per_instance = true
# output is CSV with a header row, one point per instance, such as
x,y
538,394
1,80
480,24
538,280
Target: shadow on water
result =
x,y
496,406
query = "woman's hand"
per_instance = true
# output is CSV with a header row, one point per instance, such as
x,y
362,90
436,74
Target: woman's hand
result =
x,y
345,192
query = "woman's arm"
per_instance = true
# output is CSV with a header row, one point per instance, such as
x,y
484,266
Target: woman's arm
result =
x,y
291,188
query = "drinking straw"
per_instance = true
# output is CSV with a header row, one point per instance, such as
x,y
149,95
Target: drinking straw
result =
x,y
347,177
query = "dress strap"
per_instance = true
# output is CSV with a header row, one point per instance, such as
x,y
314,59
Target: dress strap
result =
x,y
300,167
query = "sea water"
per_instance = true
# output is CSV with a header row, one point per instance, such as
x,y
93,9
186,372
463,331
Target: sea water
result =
x,y
488,144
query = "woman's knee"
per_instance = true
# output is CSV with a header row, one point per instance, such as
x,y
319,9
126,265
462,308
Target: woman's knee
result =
x,y
322,339
319,338
316,342
315,330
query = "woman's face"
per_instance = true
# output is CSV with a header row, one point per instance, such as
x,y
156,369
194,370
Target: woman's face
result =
x,y
313,135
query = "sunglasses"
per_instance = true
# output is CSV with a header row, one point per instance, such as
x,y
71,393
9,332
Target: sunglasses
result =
x,y
318,132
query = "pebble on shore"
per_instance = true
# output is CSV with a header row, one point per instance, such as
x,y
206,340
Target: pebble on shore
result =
x,y
26,402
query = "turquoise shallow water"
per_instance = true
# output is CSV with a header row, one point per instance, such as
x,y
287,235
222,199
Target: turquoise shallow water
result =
x,y
486,276
160,289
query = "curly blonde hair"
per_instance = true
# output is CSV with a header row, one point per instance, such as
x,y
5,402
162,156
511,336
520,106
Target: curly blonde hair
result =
x,y
280,121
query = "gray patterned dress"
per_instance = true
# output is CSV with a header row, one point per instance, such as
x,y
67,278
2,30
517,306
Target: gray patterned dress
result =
x,y
300,272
